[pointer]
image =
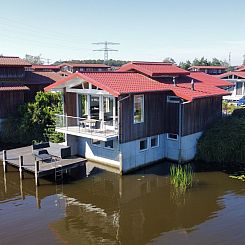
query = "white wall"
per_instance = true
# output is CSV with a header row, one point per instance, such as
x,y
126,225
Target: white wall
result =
x,y
132,156
84,147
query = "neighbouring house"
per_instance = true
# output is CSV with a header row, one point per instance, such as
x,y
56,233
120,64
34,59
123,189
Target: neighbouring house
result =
x,y
37,80
19,84
12,85
211,70
237,78
46,68
68,68
240,68
145,112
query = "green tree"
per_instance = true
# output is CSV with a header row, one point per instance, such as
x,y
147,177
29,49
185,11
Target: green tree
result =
x,y
169,60
200,62
36,121
185,65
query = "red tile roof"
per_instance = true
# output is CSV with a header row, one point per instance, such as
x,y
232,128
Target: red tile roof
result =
x,y
236,73
13,88
154,68
13,61
208,67
117,83
85,65
209,79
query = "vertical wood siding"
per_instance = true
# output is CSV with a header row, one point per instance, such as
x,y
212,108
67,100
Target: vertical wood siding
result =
x,y
9,102
70,104
159,117
200,113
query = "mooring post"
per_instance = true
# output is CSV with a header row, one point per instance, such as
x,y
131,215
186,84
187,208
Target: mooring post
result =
x,y
36,172
120,163
5,161
5,182
21,189
38,201
21,163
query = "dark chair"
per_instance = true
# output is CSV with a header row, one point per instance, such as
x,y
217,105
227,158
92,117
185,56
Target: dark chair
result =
x,y
42,155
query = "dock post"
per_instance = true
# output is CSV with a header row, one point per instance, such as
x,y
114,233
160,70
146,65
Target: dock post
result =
x,y
36,172
5,169
21,189
120,162
38,201
21,162
5,182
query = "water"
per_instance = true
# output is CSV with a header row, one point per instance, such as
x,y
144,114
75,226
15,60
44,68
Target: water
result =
x,y
104,208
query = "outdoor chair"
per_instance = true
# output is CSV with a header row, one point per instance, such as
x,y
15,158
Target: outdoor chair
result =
x,y
43,155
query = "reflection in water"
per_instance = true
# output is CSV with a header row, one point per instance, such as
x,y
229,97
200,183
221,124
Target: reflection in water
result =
x,y
103,207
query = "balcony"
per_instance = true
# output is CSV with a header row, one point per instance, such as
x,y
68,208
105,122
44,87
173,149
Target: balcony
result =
x,y
87,128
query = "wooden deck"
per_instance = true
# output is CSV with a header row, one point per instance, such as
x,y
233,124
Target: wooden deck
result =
x,y
47,167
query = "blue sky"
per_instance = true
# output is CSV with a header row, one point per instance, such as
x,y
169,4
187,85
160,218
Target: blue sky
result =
x,y
147,30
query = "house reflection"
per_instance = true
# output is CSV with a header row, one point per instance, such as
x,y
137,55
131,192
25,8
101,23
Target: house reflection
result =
x,y
133,209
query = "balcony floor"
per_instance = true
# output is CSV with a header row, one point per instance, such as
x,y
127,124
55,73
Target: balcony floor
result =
x,y
97,134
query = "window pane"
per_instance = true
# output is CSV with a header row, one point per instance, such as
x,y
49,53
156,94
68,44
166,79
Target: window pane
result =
x,y
154,141
95,142
138,108
143,144
109,144
173,136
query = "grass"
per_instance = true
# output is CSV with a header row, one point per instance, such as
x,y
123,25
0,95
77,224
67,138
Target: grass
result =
x,y
181,176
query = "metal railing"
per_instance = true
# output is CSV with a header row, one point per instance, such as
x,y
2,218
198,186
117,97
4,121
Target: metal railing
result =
x,y
86,125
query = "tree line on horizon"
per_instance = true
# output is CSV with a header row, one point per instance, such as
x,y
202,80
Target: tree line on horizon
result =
x,y
37,60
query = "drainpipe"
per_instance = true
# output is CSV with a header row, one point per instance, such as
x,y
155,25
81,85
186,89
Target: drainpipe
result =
x,y
181,119
120,153
180,131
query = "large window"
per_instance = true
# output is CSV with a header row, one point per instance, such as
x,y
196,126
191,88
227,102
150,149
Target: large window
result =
x,y
239,88
138,108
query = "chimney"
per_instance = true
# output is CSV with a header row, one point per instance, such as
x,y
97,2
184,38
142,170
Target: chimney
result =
x,y
192,85
174,82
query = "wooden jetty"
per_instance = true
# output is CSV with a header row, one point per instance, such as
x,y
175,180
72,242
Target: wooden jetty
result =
x,y
24,159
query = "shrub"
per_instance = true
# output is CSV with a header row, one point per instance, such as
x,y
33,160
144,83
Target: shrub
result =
x,y
240,113
224,142
35,122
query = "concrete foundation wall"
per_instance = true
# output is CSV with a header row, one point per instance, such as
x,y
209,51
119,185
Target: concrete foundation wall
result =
x,y
84,147
132,156
188,147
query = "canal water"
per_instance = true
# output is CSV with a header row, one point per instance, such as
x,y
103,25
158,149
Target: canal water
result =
x,y
100,207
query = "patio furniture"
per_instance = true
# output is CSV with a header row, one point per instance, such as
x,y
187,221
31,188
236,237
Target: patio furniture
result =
x,y
43,155
51,149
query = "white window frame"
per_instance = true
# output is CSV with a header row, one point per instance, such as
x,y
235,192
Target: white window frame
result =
x,y
143,108
173,99
157,138
170,138
144,139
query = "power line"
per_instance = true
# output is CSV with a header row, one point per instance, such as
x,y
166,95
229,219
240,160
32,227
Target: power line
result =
x,y
106,49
